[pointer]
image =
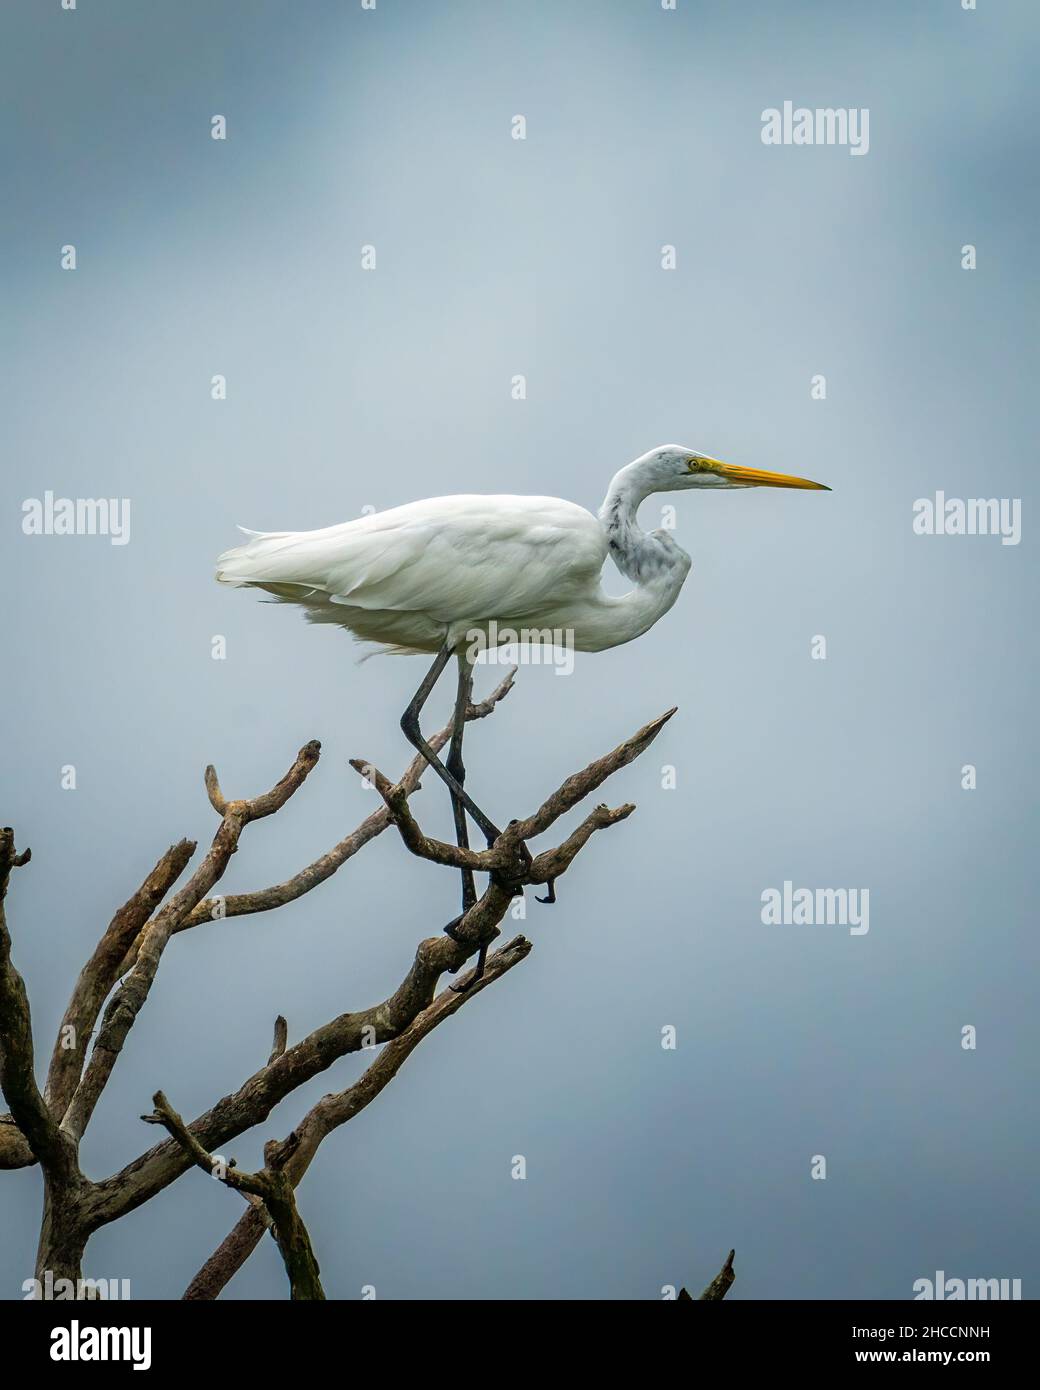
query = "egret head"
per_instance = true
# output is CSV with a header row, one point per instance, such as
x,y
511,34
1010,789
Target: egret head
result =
x,y
673,467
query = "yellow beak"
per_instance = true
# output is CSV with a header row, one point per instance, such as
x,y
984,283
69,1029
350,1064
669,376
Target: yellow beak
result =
x,y
754,477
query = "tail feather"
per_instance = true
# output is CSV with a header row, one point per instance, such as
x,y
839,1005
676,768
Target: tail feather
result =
x,y
258,562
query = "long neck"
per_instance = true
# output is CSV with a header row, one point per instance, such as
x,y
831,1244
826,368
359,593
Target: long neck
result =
x,y
636,554
656,565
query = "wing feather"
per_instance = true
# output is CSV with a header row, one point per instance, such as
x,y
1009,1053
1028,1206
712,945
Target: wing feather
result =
x,y
449,558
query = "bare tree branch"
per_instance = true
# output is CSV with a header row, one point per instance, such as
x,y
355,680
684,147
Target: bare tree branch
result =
x,y
17,1063
48,1127
14,1147
548,866
130,997
267,802
438,851
266,899
271,1186
332,1111
253,1101
581,784
117,952
719,1286
256,1098
507,856
100,974
281,1037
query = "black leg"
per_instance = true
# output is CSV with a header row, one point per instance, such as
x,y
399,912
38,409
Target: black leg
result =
x,y
457,769
477,974
412,732
454,776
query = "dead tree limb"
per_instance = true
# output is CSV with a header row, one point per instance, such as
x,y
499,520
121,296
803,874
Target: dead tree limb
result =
x,y
100,974
719,1286
270,1185
48,1127
56,1154
505,856
266,899
121,941
130,997
280,1040
334,1110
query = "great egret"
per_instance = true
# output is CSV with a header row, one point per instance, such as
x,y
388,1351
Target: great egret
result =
x,y
451,574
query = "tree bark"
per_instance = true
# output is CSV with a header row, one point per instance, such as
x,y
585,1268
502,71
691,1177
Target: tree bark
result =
x,y
47,1128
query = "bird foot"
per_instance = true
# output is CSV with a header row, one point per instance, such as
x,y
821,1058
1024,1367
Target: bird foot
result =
x,y
550,896
459,987
450,929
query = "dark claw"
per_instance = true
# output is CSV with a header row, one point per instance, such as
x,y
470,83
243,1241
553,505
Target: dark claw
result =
x,y
550,897
481,958
450,930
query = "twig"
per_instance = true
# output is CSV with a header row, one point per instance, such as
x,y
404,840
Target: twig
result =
x,y
281,1037
507,857
334,1110
130,997
322,868
271,1185
719,1286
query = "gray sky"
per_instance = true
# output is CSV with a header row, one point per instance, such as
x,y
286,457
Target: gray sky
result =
x,y
349,388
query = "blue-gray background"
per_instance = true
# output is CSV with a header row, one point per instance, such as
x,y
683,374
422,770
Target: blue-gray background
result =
x,y
348,388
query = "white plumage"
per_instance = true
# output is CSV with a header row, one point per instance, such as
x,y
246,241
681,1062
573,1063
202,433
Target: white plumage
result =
x,y
452,575
408,577
426,575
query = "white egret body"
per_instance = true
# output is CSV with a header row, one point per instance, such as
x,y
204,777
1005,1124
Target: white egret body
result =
x,y
432,574
449,574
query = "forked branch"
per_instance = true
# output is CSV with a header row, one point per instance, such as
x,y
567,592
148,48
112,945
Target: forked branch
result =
x,y
270,1185
117,953
298,1149
130,997
48,1127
